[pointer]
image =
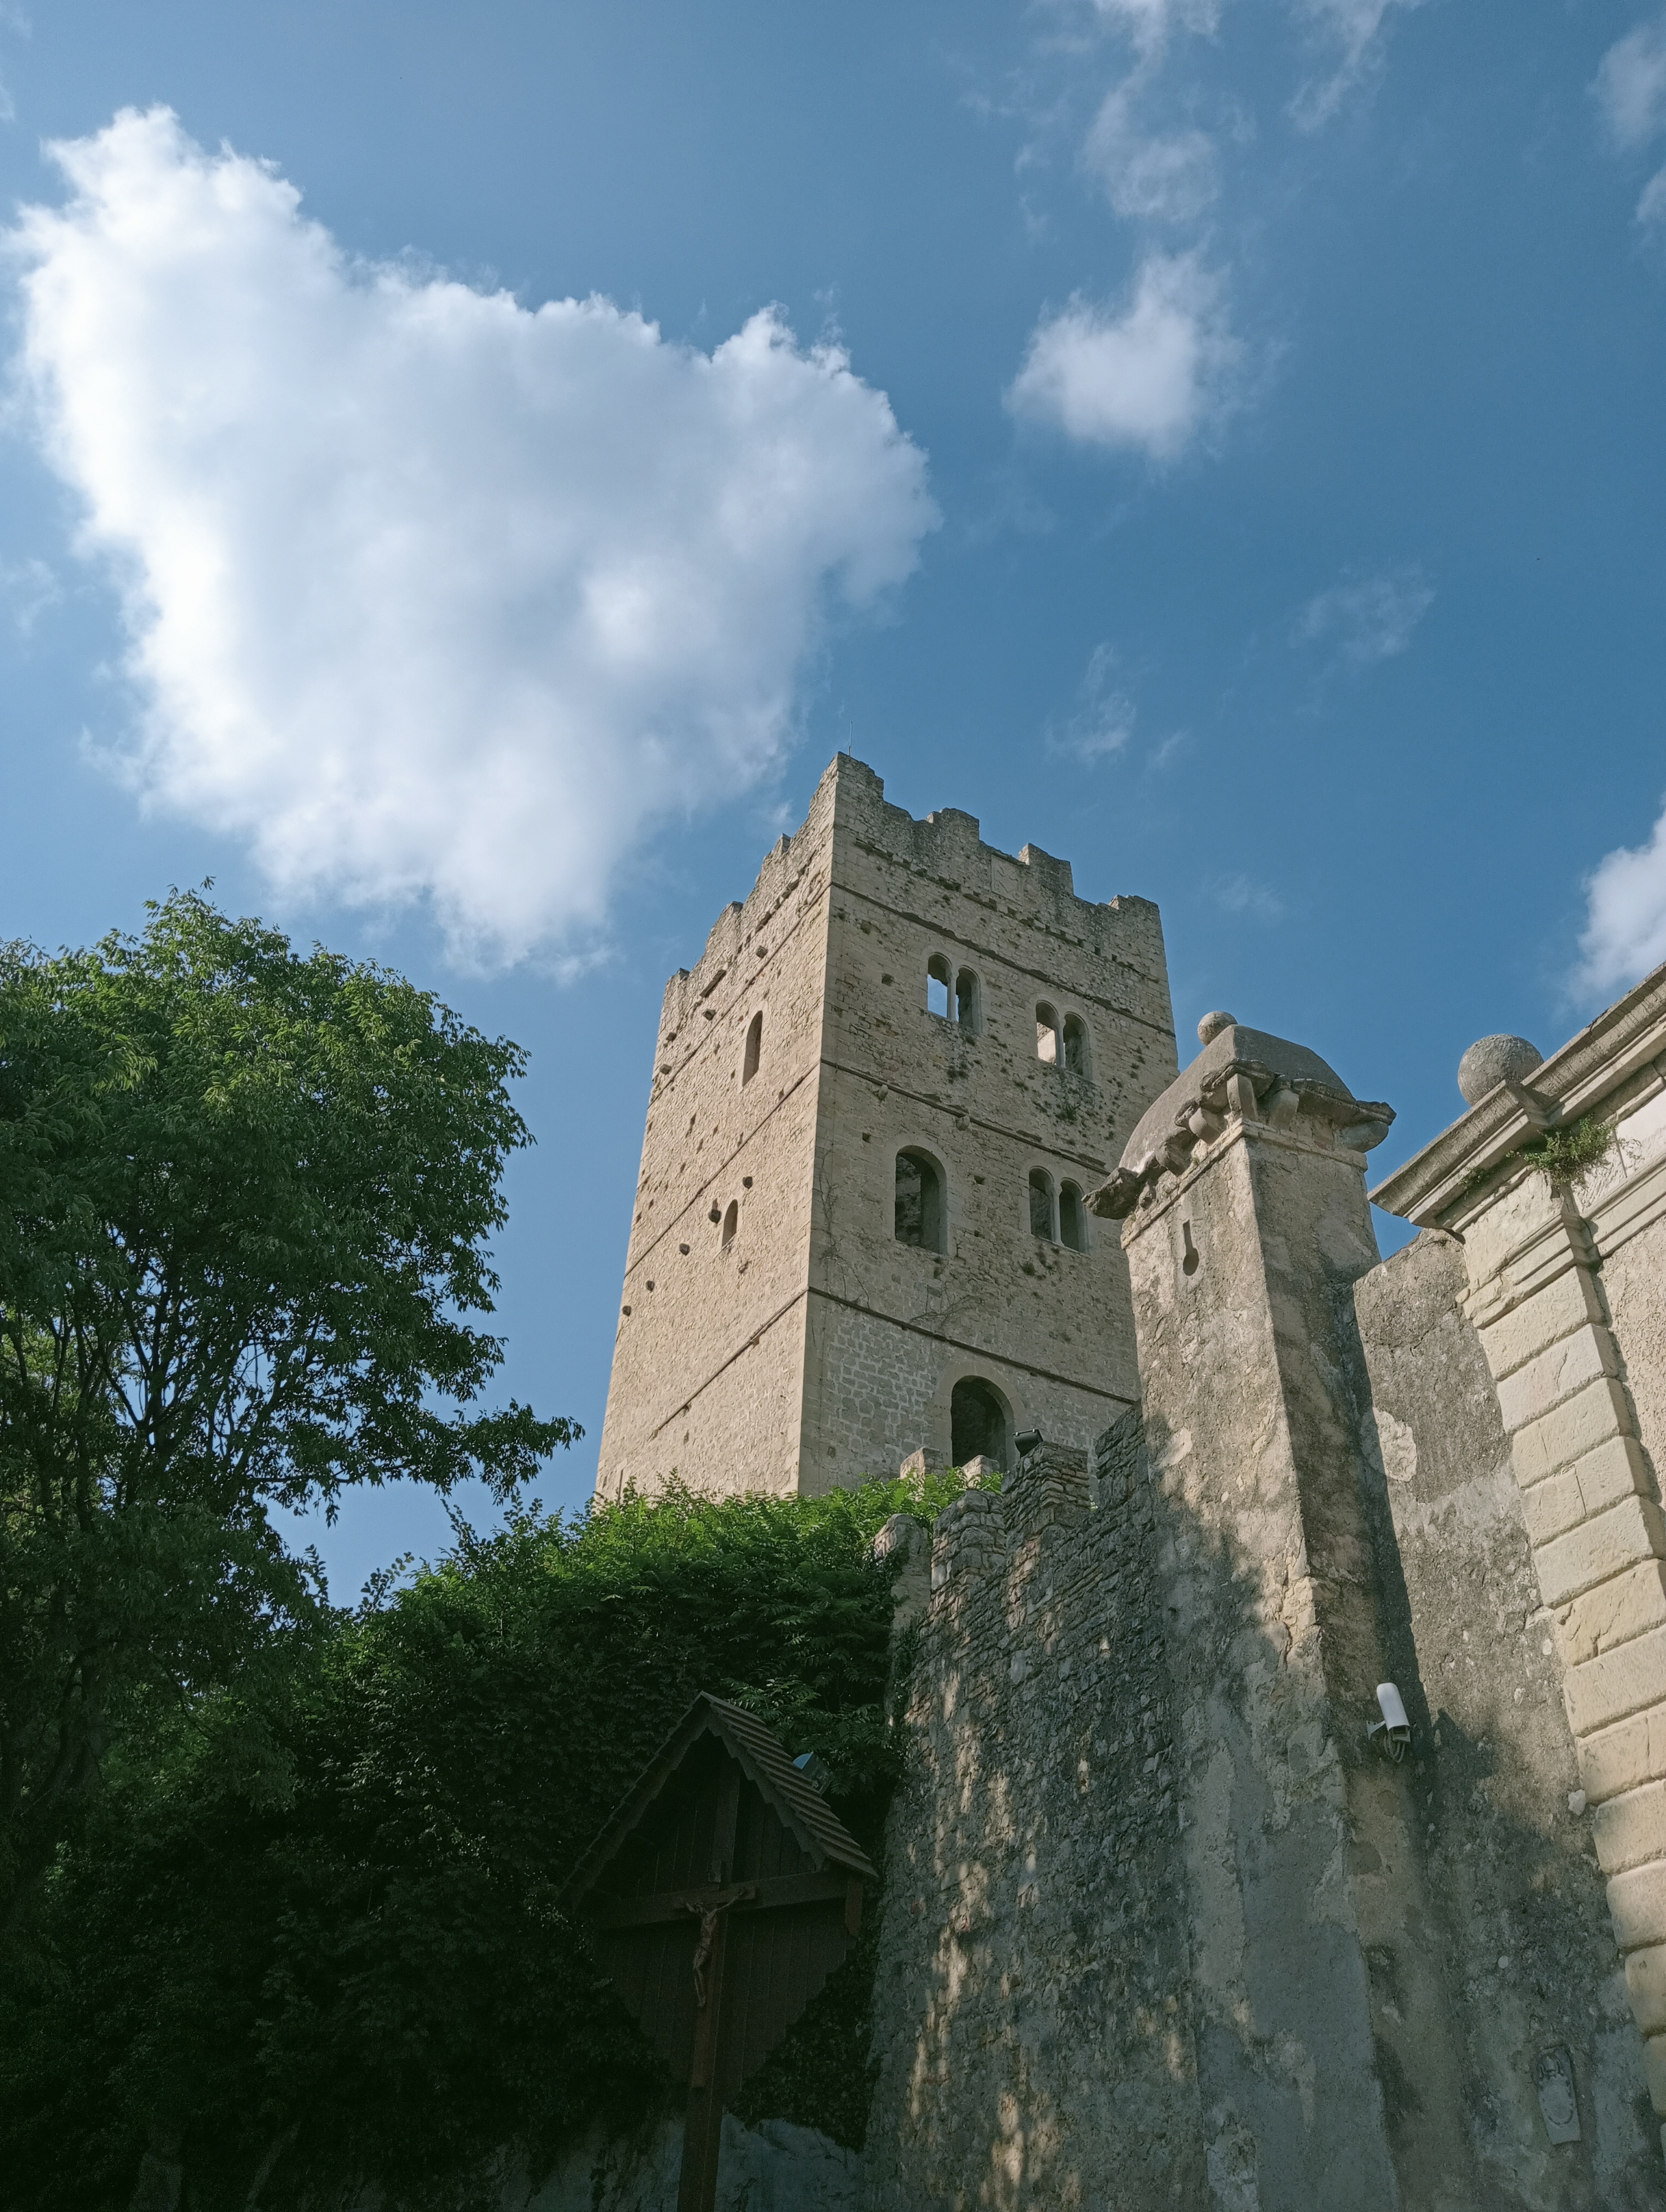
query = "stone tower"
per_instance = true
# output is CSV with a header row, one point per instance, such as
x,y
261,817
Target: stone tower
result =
x,y
879,1101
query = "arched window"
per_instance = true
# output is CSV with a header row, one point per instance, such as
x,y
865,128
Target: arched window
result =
x,y
1041,1205
937,986
1072,1217
1047,1035
1074,1053
977,1423
731,1223
969,1003
920,1207
754,1047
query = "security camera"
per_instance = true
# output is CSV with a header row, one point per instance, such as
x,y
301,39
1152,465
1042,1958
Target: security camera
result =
x,y
1392,1706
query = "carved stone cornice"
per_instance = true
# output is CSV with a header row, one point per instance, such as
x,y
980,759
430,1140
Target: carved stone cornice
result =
x,y
1432,1189
1214,1093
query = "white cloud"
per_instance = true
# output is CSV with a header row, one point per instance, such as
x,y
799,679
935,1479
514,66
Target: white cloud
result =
x,y
1243,894
1104,720
1149,23
429,595
29,587
15,20
1368,621
1625,932
1172,748
1148,377
1631,85
1651,208
1153,176
1350,31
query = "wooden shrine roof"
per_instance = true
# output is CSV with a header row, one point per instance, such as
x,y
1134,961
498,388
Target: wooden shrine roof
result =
x,y
796,1802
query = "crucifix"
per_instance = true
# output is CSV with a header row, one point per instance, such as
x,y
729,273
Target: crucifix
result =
x,y
722,1892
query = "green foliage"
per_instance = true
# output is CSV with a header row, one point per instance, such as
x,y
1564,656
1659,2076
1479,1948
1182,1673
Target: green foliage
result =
x,y
340,1950
1565,1154
820,2076
244,1201
1561,1154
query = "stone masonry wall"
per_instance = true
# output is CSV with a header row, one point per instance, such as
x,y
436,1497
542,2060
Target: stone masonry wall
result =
x,y
1033,2038
708,1354
815,1348
894,1328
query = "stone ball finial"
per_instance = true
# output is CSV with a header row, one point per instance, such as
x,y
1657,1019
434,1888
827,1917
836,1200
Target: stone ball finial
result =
x,y
1494,1060
1211,1026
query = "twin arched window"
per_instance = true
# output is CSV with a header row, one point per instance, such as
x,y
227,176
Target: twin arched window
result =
x,y
1062,1045
954,996
1058,1213
1060,1217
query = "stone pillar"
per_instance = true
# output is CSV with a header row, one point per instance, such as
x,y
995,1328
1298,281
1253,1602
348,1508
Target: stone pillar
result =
x,y
1599,1545
1299,1852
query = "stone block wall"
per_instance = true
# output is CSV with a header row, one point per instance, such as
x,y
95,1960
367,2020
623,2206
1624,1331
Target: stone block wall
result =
x,y
1033,2033
812,1348
1163,1923
708,1352
893,1327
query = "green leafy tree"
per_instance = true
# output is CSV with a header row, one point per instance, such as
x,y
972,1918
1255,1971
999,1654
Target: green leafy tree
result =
x,y
244,1196
346,1965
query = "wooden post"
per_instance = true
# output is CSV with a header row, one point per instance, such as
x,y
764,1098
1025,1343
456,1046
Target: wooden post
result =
x,y
703,2124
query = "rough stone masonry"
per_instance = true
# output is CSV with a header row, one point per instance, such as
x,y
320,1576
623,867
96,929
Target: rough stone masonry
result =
x,y
900,1021
1284,1816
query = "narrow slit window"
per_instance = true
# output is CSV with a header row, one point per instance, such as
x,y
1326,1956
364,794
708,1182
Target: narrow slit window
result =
x,y
1072,1217
1047,1035
731,1223
920,1208
1073,1051
937,986
754,1047
1041,1205
968,1003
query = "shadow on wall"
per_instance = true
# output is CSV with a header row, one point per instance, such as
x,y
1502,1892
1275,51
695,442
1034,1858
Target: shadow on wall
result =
x,y
1118,1940
1534,1982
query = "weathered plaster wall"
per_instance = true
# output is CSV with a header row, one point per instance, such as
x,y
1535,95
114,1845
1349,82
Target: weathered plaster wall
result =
x,y
1273,1644
1511,1887
1561,1286
1032,2031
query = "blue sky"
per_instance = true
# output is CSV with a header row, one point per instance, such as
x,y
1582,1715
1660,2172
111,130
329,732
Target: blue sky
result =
x,y
1220,443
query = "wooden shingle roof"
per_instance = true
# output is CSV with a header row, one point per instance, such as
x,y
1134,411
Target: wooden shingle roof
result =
x,y
796,1802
